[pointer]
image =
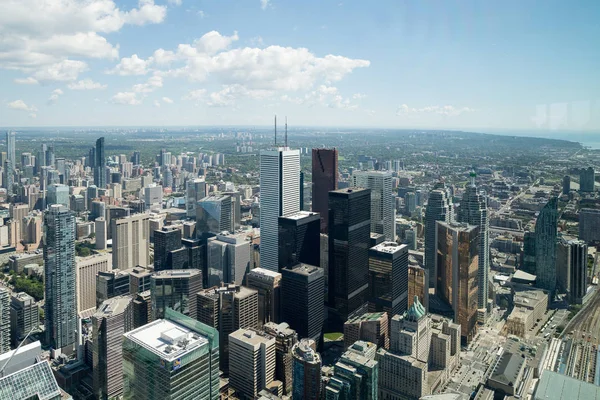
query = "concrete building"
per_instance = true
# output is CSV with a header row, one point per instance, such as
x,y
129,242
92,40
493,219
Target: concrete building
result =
x,y
299,239
279,196
424,352
285,339
418,285
101,233
388,278
306,370
458,265
24,316
589,220
529,306
383,212
268,285
153,196
439,208
175,289
252,355
370,327
4,320
355,374
507,373
113,318
324,179
228,258
131,244
87,269
156,356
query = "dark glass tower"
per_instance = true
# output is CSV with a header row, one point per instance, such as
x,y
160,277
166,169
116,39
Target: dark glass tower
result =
x,y
388,278
166,240
439,208
546,228
324,179
349,238
299,239
100,164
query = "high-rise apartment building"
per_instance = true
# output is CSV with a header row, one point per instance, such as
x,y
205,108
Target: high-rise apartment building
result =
x,y
303,299
458,265
175,289
418,285
111,320
587,180
306,370
85,278
285,339
268,285
473,210
370,327
100,164
528,253
227,309
252,356
195,191
60,299
546,230
383,211
131,244
4,320
589,221
324,180
58,194
299,239
228,258
388,278
166,240
439,208
566,184
24,316
349,238
213,215
11,160
172,358
355,374
279,196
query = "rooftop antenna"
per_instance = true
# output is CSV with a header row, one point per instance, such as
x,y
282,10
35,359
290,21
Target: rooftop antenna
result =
x,y
275,130
286,132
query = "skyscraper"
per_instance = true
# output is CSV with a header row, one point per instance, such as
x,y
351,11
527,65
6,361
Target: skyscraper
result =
x,y
388,278
546,228
306,370
131,244
175,289
299,239
4,320
324,179
439,208
166,240
10,160
172,358
285,339
268,285
473,211
24,316
228,258
578,271
458,265
587,180
589,220
528,253
213,215
566,184
355,374
349,237
60,300
303,299
383,211
279,196
113,318
100,164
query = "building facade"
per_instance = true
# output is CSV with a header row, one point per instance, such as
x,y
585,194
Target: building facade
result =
x,y
306,370
299,239
546,229
175,289
388,278
268,285
439,208
383,212
324,179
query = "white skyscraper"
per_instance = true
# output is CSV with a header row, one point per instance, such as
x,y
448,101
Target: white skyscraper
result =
x,y
279,196
383,212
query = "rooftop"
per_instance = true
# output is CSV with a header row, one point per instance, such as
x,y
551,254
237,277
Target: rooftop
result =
x,y
300,215
251,336
113,306
367,317
508,368
265,272
36,381
176,273
389,247
555,386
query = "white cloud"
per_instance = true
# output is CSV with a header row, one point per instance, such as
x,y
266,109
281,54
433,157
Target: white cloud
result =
x,y
129,98
21,106
153,83
156,103
167,100
264,4
327,96
197,94
358,96
175,2
213,42
67,70
26,81
56,93
148,12
131,66
448,110
86,84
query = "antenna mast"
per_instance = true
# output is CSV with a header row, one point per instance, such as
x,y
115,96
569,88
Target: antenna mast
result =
x,y
275,130
286,132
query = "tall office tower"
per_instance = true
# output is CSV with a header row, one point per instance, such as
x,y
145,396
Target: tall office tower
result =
x,y
279,196
388,278
228,258
546,228
24,316
285,339
166,240
268,285
299,239
566,184
324,180
41,158
227,309
589,220
176,289
136,158
50,156
195,191
587,179
457,252
100,165
131,244
439,208
18,212
251,362
112,213
578,271
303,299
113,318
383,212
370,327
11,146
355,374
418,285
60,297
172,358
528,253
213,215
58,194
473,211
101,233
424,351
111,284
153,196
85,279
349,237
4,320
91,158
236,209
410,203
306,369
142,309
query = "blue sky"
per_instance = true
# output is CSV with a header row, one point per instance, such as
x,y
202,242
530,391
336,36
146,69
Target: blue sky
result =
x,y
431,64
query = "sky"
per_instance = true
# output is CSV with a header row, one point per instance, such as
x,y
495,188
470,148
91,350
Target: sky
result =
x,y
455,64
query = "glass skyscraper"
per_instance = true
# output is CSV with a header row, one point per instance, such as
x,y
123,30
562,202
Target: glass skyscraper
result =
x,y
546,227
100,164
439,208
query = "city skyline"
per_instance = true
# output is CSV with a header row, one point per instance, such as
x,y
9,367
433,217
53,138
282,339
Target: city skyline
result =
x,y
458,66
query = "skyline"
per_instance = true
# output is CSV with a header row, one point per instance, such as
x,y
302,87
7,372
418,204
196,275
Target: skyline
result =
x,y
454,66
